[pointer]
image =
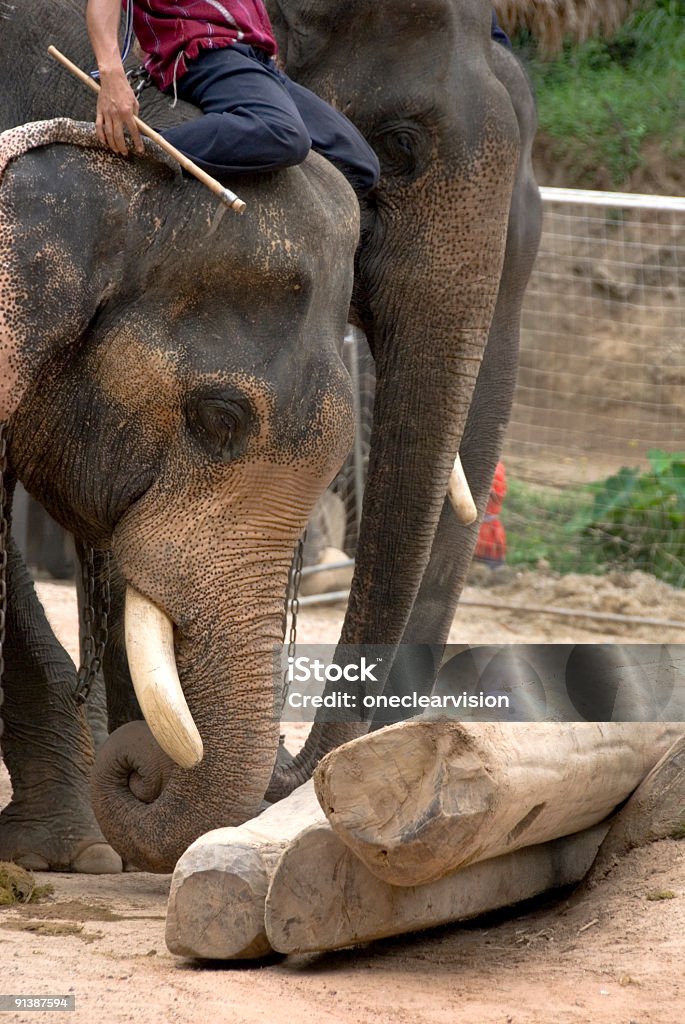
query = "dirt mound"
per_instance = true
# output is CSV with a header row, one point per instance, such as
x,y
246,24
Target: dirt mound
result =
x,y
656,175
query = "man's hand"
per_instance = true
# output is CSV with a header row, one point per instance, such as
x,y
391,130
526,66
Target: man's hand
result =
x,y
117,104
117,107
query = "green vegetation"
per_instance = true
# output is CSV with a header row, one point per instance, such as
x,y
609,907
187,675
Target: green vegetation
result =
x,y
632,520
660,894
601,104
547,524
638,519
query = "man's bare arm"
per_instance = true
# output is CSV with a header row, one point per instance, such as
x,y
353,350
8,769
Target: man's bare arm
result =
x,y
117,104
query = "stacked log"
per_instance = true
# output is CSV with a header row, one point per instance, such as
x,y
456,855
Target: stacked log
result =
x,y
426,823
323,897
219,887
419,799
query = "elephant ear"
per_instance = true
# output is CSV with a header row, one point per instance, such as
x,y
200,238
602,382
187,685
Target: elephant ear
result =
x,y
63,218
302,31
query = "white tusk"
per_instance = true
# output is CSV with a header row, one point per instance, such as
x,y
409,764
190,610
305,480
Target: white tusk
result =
x,y
459,493
150,649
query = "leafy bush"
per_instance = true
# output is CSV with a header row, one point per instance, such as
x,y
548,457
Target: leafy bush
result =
x,y
601,103
638,518
546,523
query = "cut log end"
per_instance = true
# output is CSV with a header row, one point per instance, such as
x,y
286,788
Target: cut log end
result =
x,y
216,904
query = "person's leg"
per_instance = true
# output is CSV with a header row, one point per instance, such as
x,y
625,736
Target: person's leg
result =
x,y
250,122
335,137
498,33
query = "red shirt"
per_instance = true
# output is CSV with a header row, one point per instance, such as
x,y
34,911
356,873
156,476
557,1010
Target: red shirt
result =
x,y
172,32
492,540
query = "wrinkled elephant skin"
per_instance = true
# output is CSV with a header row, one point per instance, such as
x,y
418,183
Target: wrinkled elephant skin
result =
x,y
176,394
448,240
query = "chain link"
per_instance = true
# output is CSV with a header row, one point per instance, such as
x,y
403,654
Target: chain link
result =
x,y
138,79
95,633
294,580
4,511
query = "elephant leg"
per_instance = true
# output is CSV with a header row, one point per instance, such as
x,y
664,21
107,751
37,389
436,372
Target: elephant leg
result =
x,y
46,745
96,705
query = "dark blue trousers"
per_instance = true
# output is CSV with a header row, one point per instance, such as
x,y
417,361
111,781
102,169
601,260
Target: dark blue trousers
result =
x,y
257,119
498,33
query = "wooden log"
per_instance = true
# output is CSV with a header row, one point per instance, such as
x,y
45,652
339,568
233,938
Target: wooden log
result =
x,y
322,897
219,886
420,799
656,810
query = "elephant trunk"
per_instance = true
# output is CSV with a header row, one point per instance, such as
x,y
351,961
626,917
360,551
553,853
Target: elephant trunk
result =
x,y
149,808
414,443
430,316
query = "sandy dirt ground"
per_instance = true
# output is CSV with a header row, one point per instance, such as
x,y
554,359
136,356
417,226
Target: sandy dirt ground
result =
x,y
616,957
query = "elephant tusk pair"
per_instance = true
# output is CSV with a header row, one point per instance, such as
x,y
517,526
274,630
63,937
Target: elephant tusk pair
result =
x,y
459,494
152,663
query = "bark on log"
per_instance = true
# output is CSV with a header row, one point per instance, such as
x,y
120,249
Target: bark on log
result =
x,y
656,810
219,886
322,897
421,799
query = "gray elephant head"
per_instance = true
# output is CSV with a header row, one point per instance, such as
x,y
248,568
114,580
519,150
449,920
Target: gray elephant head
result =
x,y
175,393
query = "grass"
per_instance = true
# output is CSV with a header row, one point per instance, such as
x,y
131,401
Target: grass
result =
x,y
634,519
655,895
602,103
542,523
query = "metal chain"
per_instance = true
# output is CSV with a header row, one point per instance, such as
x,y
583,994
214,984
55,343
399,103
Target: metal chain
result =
x,y
294,580
138,79
92,650
95,635
3,542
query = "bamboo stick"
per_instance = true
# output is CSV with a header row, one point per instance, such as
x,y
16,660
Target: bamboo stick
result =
x,y
227,197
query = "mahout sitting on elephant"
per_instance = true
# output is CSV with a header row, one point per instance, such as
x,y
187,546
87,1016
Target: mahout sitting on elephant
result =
x,y
220,57
197,459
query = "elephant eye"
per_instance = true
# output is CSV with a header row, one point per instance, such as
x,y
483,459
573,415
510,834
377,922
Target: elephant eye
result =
x,y
220,424
402,149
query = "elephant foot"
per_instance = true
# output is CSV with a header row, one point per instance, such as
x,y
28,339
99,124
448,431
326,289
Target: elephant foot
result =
x,y
53,844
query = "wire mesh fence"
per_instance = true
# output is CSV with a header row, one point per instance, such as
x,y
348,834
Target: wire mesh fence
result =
x,y
602,375
594,452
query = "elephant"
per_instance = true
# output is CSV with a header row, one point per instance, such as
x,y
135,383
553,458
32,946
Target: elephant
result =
x,y
448,240
174,393
446,245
